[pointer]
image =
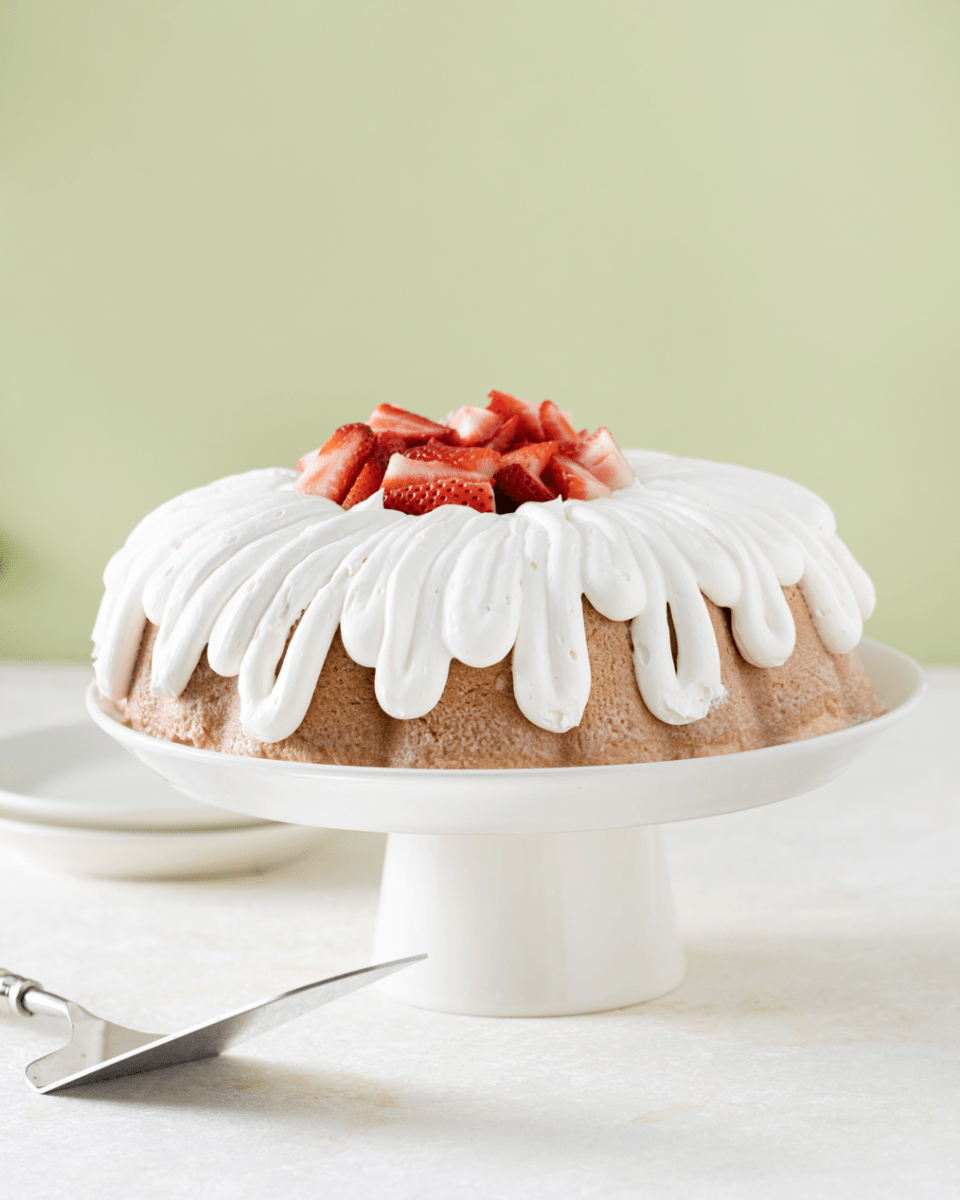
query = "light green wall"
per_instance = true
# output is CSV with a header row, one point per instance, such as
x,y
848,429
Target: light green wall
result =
x,y
727,229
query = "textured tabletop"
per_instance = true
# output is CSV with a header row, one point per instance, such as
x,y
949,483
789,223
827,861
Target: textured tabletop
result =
x,y
811,1052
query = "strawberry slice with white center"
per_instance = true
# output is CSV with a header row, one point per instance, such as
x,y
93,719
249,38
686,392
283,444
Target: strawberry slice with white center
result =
x,y
387,418
510,406
425,495
473,458
520,471
506,436
371,476
305,459
332,471
556,427
533,456
573,481
472,426
603,458
520,485
402,470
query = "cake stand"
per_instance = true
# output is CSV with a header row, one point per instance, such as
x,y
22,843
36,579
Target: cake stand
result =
x,y
534,892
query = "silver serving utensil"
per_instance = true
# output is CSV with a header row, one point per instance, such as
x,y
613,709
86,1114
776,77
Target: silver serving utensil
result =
x,y
100,1049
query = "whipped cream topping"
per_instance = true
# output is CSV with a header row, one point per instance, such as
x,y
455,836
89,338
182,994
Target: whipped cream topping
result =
x,y
235,565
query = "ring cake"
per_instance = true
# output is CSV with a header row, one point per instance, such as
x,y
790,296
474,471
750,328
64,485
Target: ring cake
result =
x,y
494,591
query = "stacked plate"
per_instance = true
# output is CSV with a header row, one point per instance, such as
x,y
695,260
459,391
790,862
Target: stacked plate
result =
x,y
74,800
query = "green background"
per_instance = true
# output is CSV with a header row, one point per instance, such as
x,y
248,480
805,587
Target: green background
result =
x,y
729,230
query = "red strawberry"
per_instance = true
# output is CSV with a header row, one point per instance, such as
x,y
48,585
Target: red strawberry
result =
x,y
573,481
473,458
603,458
304,459
556,427
533,456
472,426
402,470
509,406
505,436
332,470
387,418
517,482
426,495
371,476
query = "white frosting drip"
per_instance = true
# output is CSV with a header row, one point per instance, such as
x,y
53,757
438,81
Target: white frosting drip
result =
x,y
235,565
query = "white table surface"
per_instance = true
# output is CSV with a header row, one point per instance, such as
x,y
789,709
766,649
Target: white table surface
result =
x,y
811,1052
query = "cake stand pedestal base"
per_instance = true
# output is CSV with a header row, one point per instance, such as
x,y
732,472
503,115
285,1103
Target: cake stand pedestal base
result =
x,y
489,871
529,924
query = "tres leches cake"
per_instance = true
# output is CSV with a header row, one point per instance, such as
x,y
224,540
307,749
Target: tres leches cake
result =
x,y
494,591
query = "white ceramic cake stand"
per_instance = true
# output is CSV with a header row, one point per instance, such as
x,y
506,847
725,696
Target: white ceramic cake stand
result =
x,y
534,892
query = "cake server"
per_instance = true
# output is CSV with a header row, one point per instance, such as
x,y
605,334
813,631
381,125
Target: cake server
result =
x,y
101,1049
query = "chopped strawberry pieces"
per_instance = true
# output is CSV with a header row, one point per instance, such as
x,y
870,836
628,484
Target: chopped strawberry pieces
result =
x,y
472,426
529,414
304,459
533,456
604,459
505,436
473,458
510,453
573,481
387,418
402,470
556,427
520,485
332,471
425,495
370,478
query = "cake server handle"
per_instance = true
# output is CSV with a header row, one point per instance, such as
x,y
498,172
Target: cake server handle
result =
x,y
26,998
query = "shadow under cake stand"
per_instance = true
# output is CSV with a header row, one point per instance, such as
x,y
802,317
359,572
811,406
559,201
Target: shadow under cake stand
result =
x,y
535,892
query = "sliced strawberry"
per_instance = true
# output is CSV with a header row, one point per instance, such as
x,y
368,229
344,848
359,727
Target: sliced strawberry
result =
x,y
472,426
573,481
387,418
603,458
505,436
332,471
474,458
371,476
556,426
425,495
402,470
516,482
529,414
304,459
533,456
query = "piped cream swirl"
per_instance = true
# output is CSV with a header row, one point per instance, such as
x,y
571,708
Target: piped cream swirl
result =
x,y
234,566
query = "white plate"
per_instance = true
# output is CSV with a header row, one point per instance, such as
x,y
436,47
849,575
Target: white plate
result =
x,y
77,776
192,854
550,800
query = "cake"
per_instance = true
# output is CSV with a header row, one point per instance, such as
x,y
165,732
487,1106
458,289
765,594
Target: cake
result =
x,y
493,591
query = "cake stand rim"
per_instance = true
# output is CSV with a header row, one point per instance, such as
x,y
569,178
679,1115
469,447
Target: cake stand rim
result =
x,y
836,749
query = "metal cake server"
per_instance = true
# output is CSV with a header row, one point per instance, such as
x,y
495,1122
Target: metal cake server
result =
x,y
100,1049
